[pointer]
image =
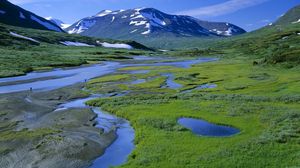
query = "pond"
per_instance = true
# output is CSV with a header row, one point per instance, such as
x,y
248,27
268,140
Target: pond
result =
x,y
204,128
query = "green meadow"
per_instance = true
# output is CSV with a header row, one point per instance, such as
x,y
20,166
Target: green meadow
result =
x,y
262,101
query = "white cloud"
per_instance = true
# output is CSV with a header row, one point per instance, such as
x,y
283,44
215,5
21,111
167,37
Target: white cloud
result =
x,y
221,9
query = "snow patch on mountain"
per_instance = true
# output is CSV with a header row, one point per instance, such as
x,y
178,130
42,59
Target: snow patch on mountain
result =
x,y
77,44
58,22
104,13
45,24
22,16
228,32
134,30
117,12
109,12
2,12
113,18
137,17
217,31
298,21
82,26
139,9
138,23
23,37
146,32
64,26
110,45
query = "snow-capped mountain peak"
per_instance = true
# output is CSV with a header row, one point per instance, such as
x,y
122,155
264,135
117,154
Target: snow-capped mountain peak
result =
x,y
148,22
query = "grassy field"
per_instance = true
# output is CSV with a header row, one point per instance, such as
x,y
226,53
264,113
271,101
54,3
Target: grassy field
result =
x,y
262,101
19,56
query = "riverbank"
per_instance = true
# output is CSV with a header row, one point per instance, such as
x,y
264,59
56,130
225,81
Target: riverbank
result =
x,y
33,134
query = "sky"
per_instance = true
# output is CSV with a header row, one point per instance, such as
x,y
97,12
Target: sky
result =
x,y
248,14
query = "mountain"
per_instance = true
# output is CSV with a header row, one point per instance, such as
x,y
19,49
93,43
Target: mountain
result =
x,y
292,16
149,22
58,22
14,15
274,44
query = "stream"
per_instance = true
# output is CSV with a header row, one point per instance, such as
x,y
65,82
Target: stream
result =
x,y
59,78
117,153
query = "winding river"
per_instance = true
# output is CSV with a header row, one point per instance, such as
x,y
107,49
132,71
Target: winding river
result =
x,y
117,153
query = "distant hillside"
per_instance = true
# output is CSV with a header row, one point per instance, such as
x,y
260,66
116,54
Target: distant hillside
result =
x,y
14,15
292,16
17,36
274,44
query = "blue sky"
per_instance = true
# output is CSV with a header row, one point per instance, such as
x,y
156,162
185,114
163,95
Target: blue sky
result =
x,y
248,14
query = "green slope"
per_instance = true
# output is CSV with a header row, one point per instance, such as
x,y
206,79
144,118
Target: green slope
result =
x,y
19,56
291,16
274,44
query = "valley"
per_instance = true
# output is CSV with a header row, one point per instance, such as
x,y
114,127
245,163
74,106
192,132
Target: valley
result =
x,y
100,97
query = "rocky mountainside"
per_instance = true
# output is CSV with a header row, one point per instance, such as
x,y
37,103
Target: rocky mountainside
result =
x,y
14,15
149,22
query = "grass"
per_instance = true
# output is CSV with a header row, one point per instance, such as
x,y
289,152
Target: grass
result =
x,y
277,44
262,101
25,134
20,56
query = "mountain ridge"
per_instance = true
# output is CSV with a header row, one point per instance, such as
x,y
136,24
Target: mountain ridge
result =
x,y
16,16
149,22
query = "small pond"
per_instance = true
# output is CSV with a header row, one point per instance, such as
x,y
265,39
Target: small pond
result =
x,y
204,128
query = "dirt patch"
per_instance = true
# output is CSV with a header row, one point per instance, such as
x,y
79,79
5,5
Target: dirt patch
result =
x,y
33,134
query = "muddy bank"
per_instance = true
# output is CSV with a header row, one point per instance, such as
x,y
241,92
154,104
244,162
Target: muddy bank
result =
x,y
33,134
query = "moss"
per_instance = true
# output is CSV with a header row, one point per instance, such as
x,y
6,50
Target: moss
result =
x,y
26,134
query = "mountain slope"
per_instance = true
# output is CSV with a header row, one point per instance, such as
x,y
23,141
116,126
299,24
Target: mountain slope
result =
x,y
149,22
58,22
292,16
24,37
13,15
275,44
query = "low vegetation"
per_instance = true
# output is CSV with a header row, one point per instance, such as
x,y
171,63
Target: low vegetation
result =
x,y
262,101
19,56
